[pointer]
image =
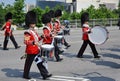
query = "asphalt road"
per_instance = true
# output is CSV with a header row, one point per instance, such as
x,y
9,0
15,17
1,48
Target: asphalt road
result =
x,y
71,68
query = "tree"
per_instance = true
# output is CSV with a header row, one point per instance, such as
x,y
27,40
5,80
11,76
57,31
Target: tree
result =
x,y
65,16
118,11
101,12
2,13
74,15
18,12
47,9
39,13
59,7
91,10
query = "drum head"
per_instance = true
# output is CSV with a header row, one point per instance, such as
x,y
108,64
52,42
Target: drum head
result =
x,y
59,36
98,35
47,46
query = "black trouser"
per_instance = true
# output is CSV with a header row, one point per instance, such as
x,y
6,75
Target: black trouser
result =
x,y
7,39
28,63
83,47
57,52
65,42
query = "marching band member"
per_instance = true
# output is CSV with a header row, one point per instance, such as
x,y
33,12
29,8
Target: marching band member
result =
x,y
8,32
86,41
51,14
58,26
48,35
31,40
51,25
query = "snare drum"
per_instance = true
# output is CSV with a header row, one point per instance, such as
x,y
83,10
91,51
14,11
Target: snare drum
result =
x,y
60,32
98,35
58,40
46,50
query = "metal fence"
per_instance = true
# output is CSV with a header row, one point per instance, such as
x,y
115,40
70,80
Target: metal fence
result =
x,y
94,22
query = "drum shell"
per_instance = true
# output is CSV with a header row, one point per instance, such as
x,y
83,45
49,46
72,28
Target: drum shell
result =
x,y
60,32
46,49
58,40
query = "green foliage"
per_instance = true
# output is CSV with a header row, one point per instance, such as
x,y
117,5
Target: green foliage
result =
x,y
18,13
101,12
58,7
118,11
47,9
8,8
2,13
74,15
91,11
65,16
39,13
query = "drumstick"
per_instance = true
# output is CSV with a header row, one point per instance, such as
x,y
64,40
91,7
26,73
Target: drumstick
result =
x,y
23,56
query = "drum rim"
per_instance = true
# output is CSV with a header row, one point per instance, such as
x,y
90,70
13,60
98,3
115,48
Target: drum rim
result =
x,y
58,36
43,46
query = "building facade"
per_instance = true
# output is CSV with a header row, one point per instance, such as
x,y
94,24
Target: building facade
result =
x,y
29,7
51,3
84,4
78,5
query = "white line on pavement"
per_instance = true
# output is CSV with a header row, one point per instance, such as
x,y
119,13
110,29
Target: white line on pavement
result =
x,y
60,79
67,77
32,80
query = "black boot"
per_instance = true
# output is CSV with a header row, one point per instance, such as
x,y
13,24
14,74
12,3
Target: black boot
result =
x,y
26,77
58,60
47,76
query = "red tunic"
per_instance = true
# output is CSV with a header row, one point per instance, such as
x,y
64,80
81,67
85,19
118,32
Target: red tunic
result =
x,y
51,27
29,40
57,25
7,28
47,35
85,30
47,32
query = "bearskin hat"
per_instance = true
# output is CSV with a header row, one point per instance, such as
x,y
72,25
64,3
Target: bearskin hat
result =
x,y
51,13
58,13
84,17
46,18
8,16
30,18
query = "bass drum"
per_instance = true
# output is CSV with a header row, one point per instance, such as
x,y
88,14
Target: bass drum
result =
x,y
98,35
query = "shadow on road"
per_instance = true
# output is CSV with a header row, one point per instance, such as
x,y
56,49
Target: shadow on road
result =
x,y
110,55
98,62
17,73
93,76
107,63
115,49
12,72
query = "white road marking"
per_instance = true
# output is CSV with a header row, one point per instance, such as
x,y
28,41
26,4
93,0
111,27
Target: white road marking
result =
x,y
67,78
32,80
60,79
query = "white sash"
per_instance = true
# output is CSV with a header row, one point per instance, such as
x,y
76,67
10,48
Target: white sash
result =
x,y
34,35
50,33
47,28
